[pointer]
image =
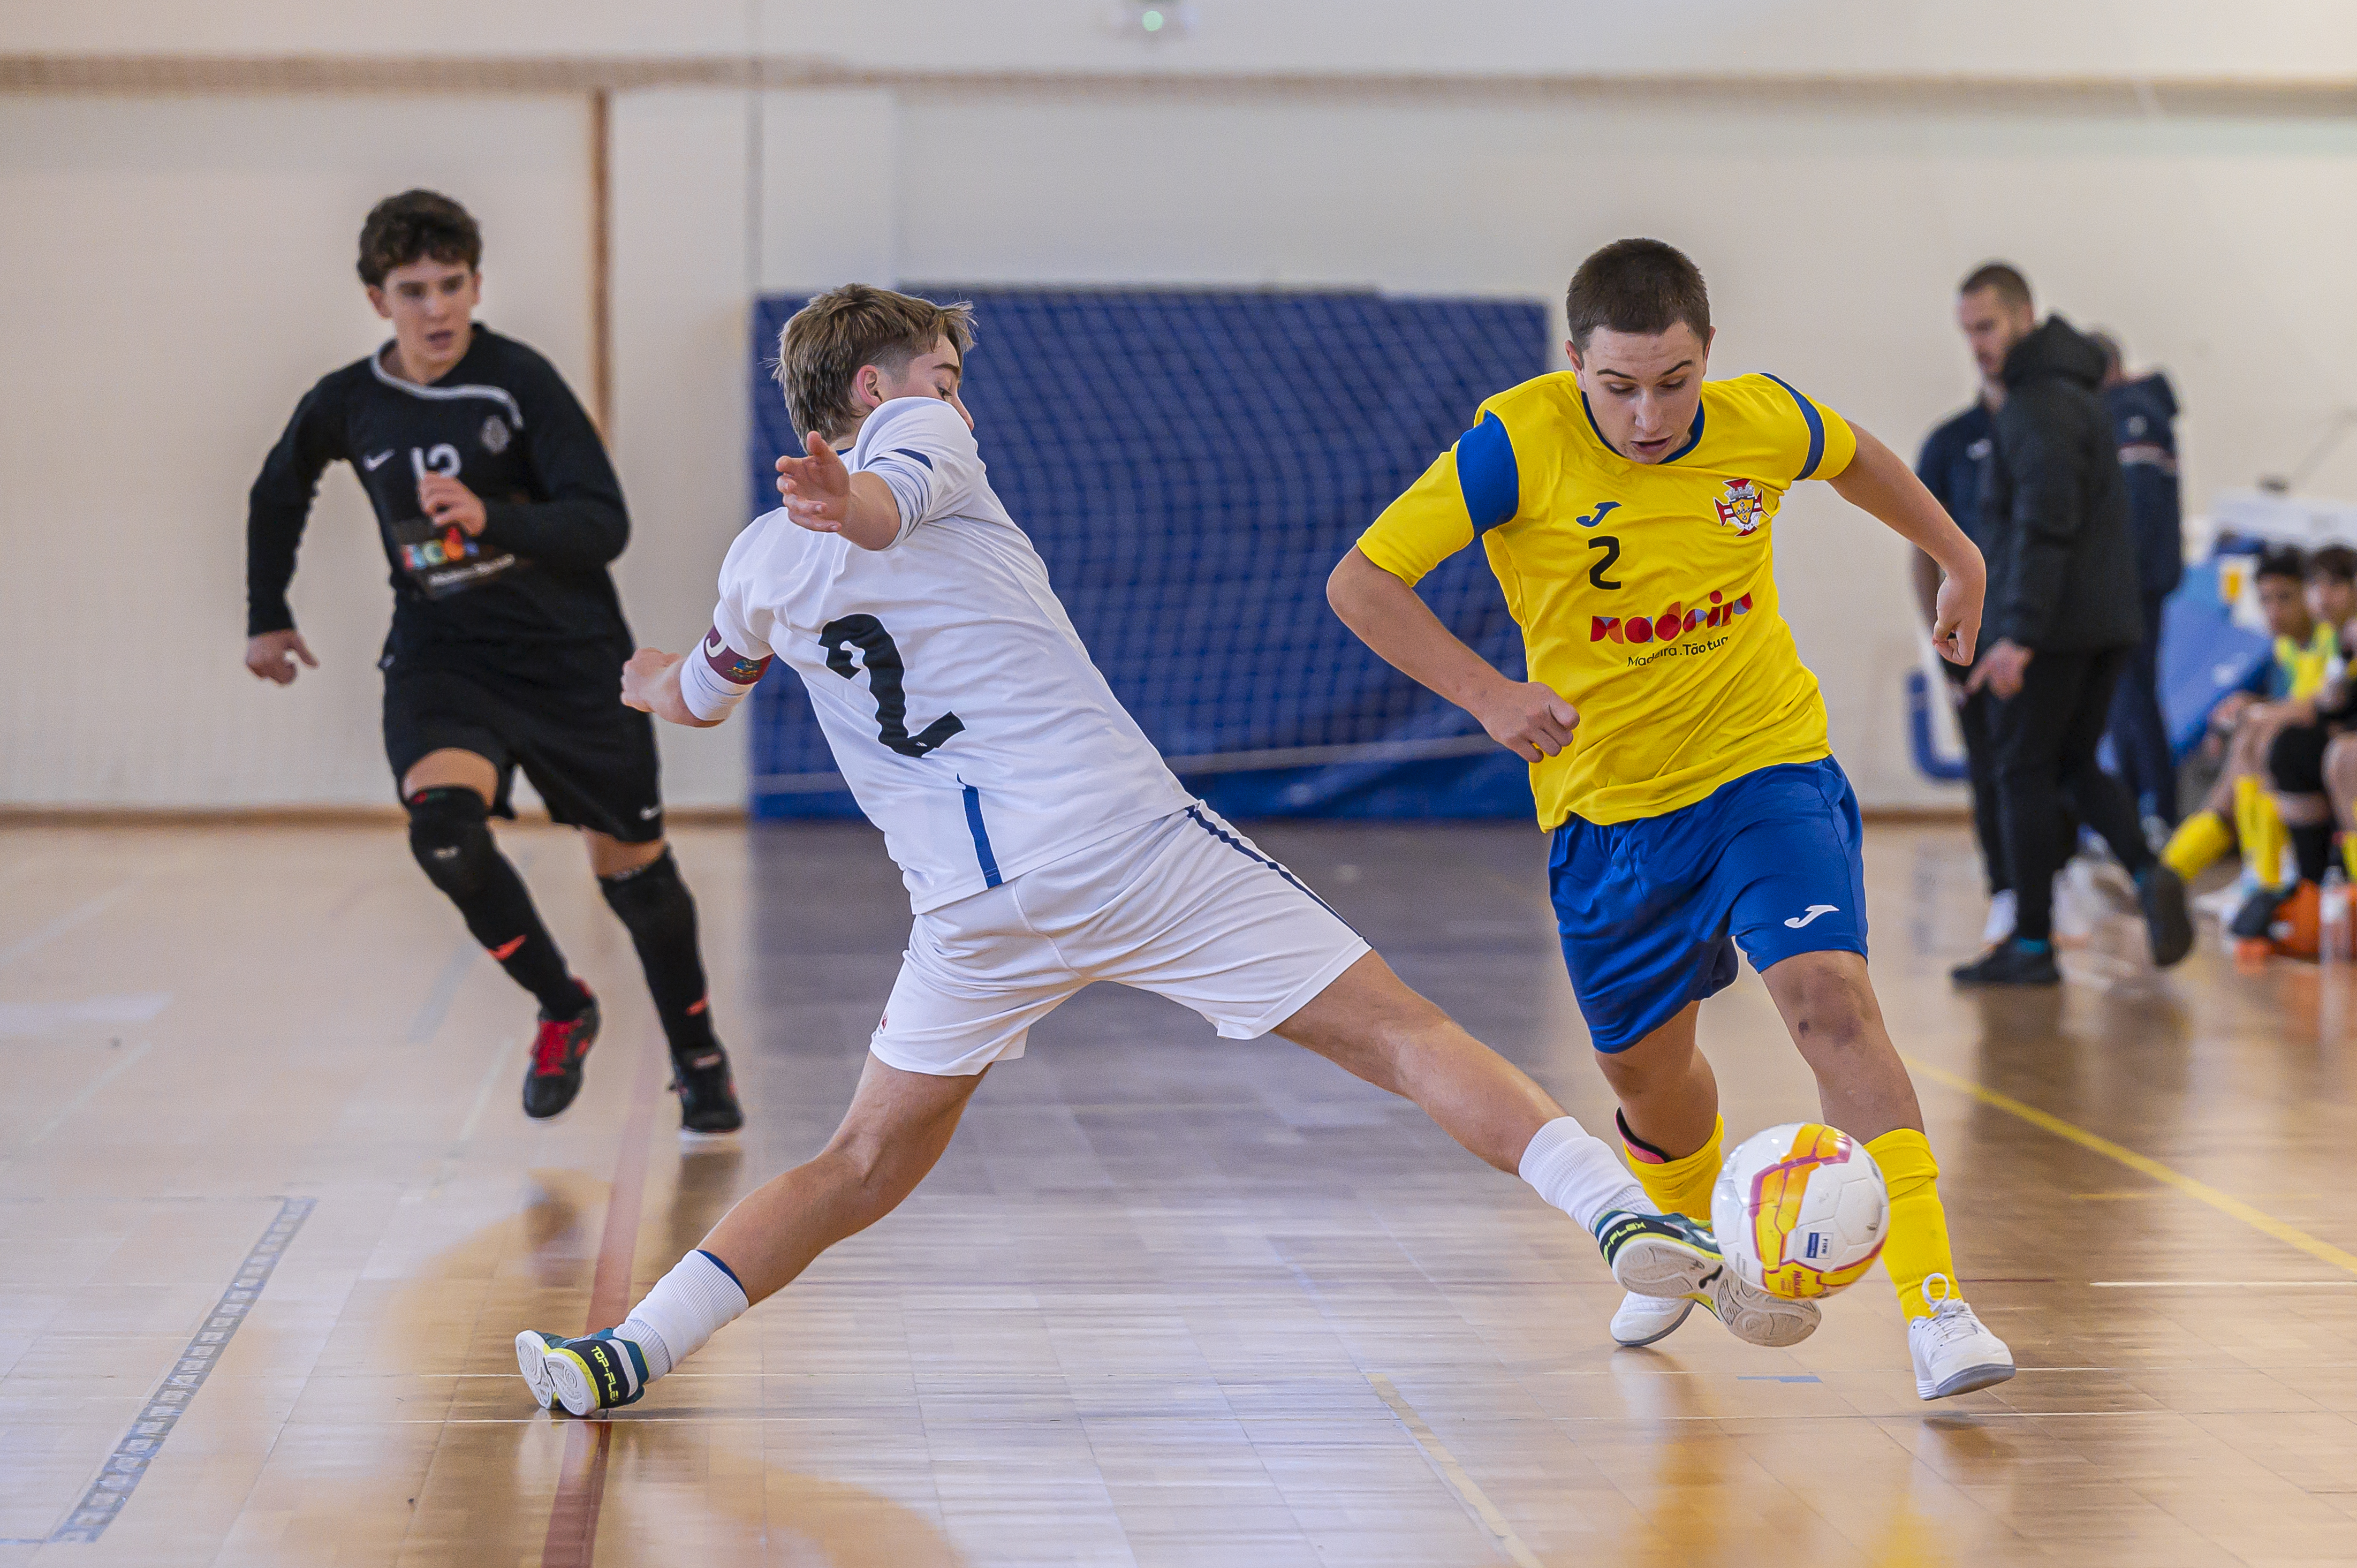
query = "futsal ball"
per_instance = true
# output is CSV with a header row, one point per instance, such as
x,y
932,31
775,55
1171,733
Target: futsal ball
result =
x,y
1801,1210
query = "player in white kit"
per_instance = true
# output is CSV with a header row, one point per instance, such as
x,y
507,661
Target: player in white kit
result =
x,y
1045,847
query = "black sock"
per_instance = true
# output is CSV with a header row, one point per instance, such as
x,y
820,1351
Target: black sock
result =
x,y
654,903
2313,846
449,835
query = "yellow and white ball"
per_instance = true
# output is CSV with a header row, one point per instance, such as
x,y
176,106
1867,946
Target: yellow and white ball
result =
x,y
1801,1210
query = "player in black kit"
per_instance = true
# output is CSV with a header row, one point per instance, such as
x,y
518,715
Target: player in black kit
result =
x,y
499,513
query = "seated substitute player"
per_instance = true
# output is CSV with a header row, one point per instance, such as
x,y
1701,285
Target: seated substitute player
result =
x,y
1677,742
1044,845
499,513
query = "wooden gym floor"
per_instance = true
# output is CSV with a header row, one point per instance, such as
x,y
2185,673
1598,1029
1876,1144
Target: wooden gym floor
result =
x,y
272,1216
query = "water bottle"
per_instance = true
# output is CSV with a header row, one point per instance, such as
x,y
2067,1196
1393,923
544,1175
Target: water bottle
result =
x,y
2332,916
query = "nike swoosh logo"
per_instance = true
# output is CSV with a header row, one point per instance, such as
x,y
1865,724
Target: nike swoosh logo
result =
x,y
379,461
1815,910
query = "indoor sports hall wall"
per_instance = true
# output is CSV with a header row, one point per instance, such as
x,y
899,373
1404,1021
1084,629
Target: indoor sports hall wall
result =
x,y
1191,464
177,270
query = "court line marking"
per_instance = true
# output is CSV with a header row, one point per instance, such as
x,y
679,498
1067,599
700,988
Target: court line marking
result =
x,y
1471,1496
126,1465
89,1091
62,924
572,1538
2144,1165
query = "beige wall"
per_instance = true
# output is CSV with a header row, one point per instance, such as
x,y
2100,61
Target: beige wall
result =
x,y
185,273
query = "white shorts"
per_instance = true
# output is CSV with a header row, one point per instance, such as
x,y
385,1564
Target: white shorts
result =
x,y
1185,907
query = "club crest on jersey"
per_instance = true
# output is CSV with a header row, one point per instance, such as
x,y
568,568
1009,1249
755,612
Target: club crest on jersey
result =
x,y
1742,508
495,434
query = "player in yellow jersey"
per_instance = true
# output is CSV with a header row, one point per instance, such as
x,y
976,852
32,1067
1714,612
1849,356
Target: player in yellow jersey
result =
x,y
1677,742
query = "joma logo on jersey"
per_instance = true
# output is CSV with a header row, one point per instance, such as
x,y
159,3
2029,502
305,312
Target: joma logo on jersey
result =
x,y
1742,508
1669,624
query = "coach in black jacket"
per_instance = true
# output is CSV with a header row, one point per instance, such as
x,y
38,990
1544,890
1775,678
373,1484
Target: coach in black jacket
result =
x,y
2063,621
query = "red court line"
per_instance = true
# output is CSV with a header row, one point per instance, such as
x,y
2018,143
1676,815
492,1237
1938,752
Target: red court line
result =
x,y
572,1537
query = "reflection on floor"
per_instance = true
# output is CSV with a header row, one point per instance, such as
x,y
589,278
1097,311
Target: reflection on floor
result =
x,y
1168,1300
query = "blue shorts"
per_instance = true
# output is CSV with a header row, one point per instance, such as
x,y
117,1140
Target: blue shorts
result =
x,y
1650,911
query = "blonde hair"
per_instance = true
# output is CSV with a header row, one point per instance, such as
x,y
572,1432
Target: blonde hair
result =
x,y
832,337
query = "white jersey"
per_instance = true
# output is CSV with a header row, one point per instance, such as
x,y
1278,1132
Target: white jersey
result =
x,y
962,707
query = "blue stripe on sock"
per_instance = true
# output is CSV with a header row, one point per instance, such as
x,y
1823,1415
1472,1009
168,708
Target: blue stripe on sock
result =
x,y
724,1269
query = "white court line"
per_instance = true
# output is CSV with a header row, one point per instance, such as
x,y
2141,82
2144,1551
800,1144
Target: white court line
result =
x,y
61,925
2224,1284
122,1066
1454,1474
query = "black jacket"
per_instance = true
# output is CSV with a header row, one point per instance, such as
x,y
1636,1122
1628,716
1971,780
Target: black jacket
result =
x,y
505,423
2144,421
2062,572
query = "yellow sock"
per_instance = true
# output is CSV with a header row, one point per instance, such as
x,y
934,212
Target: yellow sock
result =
x,y
2348,854
2261,828
2198,843
1916,1248
1682,1186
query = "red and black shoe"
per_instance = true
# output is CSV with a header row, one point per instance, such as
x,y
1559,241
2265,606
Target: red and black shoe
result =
x,y
557,1052
707,1094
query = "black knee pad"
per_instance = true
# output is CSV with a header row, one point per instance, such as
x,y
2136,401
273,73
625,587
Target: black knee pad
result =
x,y
2296,760
451,837
653,901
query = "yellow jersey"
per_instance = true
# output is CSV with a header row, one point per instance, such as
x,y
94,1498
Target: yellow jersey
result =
x,y
1646,592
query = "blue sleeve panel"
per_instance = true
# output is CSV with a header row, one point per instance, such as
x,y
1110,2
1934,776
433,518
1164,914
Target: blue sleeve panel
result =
x,y
1816,429
1486,474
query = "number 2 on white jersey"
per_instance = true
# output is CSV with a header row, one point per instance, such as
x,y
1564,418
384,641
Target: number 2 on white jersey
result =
x,y
885,675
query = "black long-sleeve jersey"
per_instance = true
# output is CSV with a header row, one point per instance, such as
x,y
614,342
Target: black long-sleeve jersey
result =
x,y
504,423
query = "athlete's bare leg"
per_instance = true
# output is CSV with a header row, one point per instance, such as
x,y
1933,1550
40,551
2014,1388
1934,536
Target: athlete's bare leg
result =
x,y
897,1126
1667,1093
452,769
1370,1023
610,857
1830,1011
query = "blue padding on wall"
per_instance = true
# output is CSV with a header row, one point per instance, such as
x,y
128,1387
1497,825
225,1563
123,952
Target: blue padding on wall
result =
x,y
2204,656
1191,464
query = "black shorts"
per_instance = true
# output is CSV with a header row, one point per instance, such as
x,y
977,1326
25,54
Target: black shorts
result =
x,y
592,759
2296,760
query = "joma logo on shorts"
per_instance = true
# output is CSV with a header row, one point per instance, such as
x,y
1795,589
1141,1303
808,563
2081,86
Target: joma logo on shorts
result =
x,y
1669,624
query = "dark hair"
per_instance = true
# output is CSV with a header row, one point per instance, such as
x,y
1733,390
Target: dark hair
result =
x,y
416,226
2114,357
2002,276
2337,561
829,338
1637,286
2281,561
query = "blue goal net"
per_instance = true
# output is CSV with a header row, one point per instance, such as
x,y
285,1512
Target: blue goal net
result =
x,y
1191,464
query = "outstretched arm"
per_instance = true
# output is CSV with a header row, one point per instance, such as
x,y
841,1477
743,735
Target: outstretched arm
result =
x,y
822,495
1878,481
650,684
1526,717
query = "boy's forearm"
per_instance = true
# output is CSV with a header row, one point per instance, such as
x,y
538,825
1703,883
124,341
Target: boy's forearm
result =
x,y
1879,482
873,521
1389,617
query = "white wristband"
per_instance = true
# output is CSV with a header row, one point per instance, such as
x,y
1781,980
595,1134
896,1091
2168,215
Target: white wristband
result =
x,y
715,678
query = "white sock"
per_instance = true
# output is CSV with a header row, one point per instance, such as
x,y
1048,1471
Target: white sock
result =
x,y
688,1305
1579,1174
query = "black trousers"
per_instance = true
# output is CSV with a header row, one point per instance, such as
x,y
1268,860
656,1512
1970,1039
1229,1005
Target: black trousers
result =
x,y
2046,739
2139,733
1975,723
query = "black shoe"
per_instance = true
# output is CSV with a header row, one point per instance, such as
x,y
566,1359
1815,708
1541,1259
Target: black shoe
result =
x,y
2167,924
2255,919
557,1053
708,1095
2009,963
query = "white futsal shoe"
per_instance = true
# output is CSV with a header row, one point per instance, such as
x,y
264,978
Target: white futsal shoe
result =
x,y
1955,1352
1672,1258
1642,1320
